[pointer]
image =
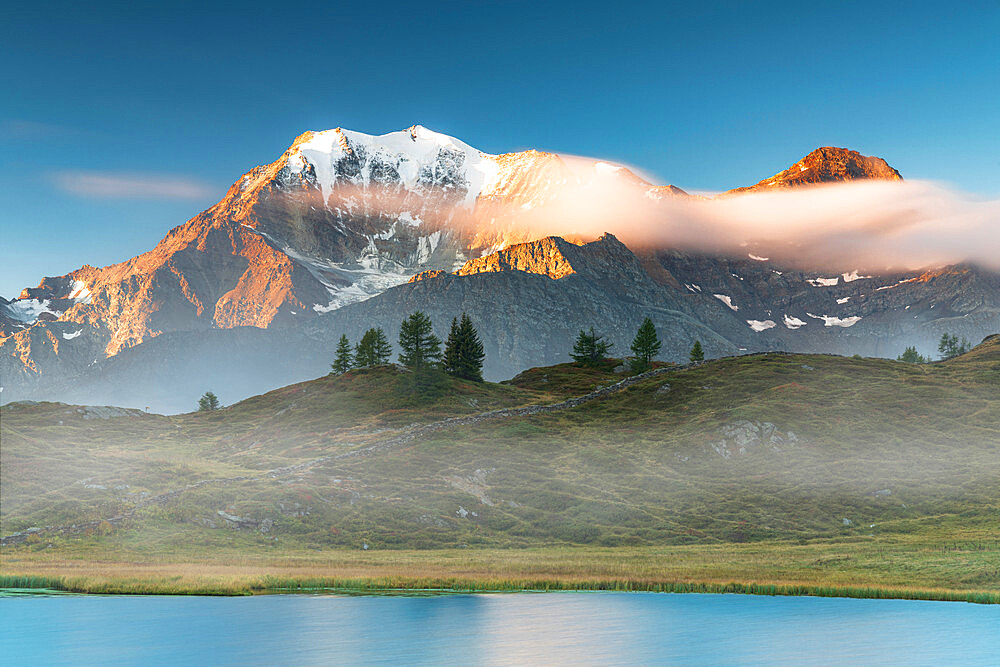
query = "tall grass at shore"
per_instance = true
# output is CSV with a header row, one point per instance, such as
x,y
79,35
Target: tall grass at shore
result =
x,y
250,585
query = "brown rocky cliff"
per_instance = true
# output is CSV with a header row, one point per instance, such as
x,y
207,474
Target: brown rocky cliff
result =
x,y
545,256
826,165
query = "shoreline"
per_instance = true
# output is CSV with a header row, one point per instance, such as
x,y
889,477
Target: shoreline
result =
x,y
270,585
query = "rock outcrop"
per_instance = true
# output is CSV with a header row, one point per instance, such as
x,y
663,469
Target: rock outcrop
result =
x,y
826,165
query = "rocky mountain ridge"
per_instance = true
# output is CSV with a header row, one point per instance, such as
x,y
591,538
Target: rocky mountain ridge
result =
x,y
827,164
529,318
416,219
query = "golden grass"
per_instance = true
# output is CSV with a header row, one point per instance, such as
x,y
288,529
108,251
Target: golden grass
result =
x,y
901,568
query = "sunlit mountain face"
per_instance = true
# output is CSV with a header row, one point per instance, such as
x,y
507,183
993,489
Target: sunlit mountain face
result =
x,y
345,219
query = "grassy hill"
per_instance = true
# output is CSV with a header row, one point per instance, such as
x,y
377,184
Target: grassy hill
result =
x,y
771,452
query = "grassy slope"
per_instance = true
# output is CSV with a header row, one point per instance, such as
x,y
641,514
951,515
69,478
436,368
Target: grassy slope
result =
x,y
640,471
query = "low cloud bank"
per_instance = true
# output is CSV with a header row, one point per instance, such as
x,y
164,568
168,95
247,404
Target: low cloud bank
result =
x,y
869,225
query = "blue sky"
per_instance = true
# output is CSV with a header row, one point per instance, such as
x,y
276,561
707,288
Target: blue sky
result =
x,y
185,97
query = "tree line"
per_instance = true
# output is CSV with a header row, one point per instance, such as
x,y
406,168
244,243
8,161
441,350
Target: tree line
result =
x,y
948,348
419,349
463,354
591,348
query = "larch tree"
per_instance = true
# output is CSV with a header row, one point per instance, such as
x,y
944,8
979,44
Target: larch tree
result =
x,y
373,349
951,347
697,353
911,356
418,346
463,351
344,360
590,348
208,402
645,346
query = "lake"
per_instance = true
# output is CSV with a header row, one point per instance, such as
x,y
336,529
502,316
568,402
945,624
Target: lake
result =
x,y
526,628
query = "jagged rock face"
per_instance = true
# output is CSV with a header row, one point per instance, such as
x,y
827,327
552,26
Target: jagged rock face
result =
x,y
826,165
547,257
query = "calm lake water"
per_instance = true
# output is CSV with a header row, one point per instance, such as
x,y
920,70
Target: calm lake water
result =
x,y
550,628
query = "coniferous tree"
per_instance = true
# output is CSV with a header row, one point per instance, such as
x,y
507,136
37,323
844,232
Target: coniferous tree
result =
x,y
344,361
950,346
418,346
208,402
645,346
451,362
590,348
946,346
463,351
373,349
697,353
911,356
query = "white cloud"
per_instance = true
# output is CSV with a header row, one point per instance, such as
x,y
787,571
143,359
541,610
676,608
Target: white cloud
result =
x,y
130,185
17,129
857,227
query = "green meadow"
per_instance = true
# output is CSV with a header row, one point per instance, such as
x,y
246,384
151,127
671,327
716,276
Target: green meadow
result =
x,y
771,473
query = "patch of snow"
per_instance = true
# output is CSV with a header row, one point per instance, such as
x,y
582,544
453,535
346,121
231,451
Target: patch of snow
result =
x,y
901,282
28,310
607,168
757,258
726,300
71,336
735,276
409,219
830,321
295,165
426,245
80,292
844,300
823,282
852,276
496,247
778,272
793,322
757,325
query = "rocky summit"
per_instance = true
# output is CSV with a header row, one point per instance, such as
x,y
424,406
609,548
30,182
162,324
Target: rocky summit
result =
x,y
346,230
826,165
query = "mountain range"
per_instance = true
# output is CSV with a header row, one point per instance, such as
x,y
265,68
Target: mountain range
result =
x,y
345,231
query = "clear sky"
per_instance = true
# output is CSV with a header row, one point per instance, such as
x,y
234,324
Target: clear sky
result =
x,y
119,121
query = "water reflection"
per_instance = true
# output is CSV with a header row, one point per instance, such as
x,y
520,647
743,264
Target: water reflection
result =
x,y
501,629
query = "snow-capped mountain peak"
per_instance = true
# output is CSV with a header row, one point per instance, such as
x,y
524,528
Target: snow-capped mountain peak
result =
x,y
413,157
